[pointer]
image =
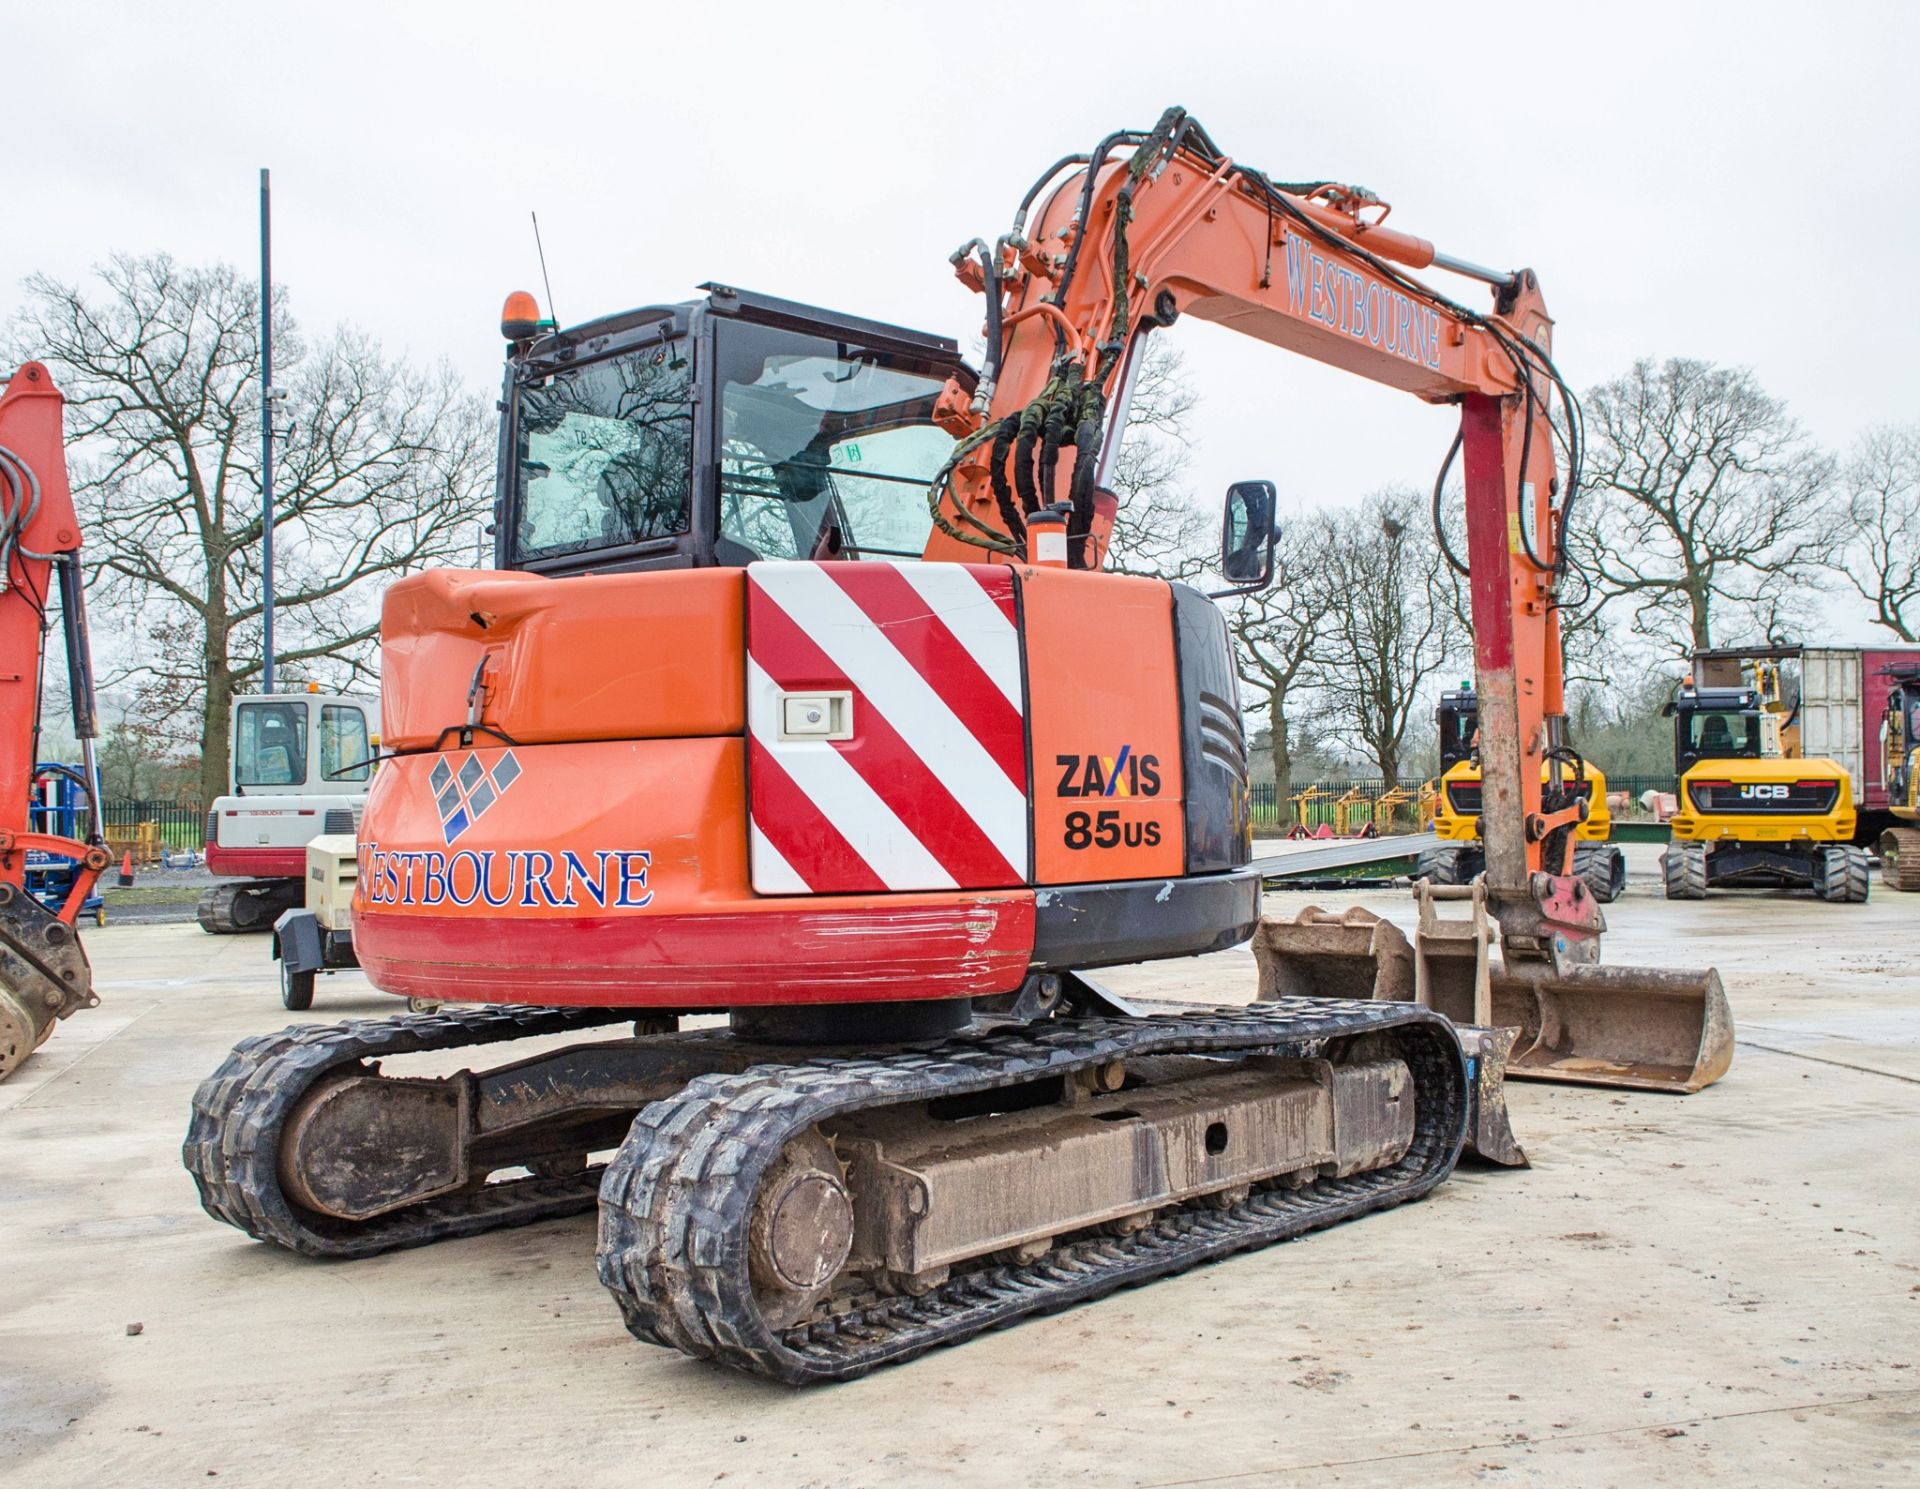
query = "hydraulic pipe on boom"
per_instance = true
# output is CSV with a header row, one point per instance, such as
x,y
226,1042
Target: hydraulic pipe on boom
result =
x,y
44,975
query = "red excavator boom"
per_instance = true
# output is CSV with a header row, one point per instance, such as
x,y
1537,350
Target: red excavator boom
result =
x,y
43,972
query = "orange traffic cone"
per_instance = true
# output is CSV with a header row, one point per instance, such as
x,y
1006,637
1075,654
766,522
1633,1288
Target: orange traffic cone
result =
x,y
126,870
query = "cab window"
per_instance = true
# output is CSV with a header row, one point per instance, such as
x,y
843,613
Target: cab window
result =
x,y
827,449
271,748
345,752
604,454
1715,734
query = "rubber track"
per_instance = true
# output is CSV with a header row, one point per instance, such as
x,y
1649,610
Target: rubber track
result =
x,y
233,1142
676,1198
216,910
1902,871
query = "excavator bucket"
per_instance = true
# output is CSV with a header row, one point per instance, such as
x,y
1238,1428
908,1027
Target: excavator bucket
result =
x,y
1645,1028
1649,1029
43,975
1356,954
1320,955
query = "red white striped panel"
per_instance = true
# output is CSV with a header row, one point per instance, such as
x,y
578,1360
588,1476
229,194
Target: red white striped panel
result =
x,y
931,790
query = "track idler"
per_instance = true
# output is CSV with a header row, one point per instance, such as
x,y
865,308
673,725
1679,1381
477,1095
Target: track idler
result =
x,y
44,975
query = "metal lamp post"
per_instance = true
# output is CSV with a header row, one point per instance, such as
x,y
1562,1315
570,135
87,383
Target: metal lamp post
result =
x,y
267,397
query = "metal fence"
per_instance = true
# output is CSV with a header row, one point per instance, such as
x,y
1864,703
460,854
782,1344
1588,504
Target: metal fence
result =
x,y
1345,806
150,826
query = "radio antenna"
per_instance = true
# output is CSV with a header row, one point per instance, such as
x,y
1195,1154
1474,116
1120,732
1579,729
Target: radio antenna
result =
x,y
540,248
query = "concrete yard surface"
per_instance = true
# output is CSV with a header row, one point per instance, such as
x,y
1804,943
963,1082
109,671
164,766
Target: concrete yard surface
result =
x,y
1723,1288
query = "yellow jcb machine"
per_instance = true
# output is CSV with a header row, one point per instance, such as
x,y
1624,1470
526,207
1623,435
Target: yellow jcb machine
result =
x,y
1459,857
1753,813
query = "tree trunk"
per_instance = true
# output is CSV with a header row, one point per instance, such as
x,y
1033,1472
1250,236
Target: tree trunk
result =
x,y
1282,751
1698,601
1387,760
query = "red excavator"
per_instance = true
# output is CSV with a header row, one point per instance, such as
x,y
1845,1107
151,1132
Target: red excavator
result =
x,y
44,975
798,697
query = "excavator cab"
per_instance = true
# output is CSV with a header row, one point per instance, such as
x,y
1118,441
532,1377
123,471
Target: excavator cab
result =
x,y
1900,743
1715,724
722,432
1459,722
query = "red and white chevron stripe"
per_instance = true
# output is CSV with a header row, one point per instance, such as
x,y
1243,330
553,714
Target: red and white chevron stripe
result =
x,y
931,790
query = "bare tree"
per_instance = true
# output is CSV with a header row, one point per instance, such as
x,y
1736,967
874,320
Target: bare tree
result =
x,y
1704,511
1391,624
1280,637
385,469
1882,560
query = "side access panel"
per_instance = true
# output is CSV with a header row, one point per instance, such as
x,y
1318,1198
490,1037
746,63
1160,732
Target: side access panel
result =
x,y
1219,821
1109,787
887,728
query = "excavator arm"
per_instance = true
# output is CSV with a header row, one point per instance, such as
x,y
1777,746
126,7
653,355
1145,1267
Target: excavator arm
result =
x,y
43,971
1153,226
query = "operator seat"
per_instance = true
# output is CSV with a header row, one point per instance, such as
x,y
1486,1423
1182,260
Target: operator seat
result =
x,y
1715,737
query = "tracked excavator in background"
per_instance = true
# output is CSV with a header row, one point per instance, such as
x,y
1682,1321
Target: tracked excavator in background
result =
x,y
44,976
798,695
1899,845
1458,859
297,768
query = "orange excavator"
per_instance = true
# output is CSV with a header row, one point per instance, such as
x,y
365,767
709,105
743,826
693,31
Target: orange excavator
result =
x,y
44,975
799,730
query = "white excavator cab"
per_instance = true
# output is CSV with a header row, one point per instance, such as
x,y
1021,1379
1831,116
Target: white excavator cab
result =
x,y
318,744
298,765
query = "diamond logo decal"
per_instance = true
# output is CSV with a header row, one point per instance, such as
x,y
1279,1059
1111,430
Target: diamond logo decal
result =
x,y
463,794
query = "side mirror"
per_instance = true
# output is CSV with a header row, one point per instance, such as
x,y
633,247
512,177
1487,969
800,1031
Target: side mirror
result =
x,y
1247,534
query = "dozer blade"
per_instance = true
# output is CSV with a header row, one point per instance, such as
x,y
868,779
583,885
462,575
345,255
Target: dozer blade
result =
x,y
1489,1128
1649,1029
43,975
1356,954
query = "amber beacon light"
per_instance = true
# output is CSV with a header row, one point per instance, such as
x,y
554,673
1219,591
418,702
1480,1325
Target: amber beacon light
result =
x,y
520,317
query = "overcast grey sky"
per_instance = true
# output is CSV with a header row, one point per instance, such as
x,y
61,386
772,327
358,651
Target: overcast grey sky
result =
x,y
1739,182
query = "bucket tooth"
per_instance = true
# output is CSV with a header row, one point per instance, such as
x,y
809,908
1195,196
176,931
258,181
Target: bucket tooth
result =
x,y
1317,954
